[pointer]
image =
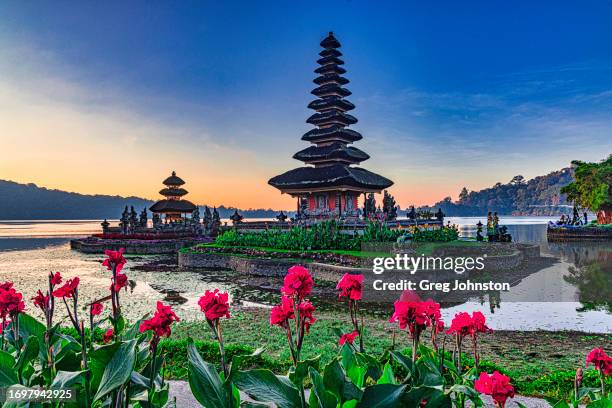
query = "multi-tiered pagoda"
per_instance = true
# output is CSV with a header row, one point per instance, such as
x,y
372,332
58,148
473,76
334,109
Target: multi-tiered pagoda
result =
x,y
330,184
173,207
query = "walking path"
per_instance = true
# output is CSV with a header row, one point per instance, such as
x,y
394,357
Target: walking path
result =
x,y
184,399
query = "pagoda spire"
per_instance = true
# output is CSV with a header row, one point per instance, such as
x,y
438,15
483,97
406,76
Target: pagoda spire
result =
x,y
329,172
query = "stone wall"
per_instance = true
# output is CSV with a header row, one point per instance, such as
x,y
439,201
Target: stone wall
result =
x,y
132,247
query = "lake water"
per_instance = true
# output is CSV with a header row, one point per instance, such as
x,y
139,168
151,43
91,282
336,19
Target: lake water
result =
x,y
569,291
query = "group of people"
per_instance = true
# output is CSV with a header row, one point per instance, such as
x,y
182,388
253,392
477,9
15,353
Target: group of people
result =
x,y
574,219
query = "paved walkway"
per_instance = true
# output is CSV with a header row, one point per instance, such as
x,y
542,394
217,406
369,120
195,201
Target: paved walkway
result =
x,y
184,398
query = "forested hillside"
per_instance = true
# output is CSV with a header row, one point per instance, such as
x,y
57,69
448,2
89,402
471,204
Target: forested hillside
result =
x,y
538,196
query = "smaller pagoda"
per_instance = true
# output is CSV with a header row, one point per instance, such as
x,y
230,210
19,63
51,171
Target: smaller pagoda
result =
x,y
173,207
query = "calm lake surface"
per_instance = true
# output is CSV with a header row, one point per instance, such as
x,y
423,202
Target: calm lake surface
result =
x,y
570,290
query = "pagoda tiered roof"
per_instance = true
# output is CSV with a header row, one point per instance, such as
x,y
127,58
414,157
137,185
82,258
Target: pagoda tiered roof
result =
x,y
172,203
330,155
337,151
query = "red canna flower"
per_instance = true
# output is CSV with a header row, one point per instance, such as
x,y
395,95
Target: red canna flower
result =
x,y
108,336
351,286
96,309
161,321
68,290
121,282
461,324
114,259
214,304
496,385
281,314
478,323
298,282
56,279
601,361
412,315
11,303
41,301
306,309
6,285
348,338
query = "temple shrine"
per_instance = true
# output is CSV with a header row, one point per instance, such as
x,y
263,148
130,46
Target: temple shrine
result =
x,y
330,184
173,208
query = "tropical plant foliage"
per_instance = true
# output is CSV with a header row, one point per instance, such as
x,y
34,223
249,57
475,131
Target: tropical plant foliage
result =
x,y
592,186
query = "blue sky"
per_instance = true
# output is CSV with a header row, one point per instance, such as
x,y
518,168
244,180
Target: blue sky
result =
x,y
448,94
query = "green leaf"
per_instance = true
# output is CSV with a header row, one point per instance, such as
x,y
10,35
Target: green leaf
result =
x,y
99,359
27,354
65,379
319,396
405,362
373,365
118,369
300,372
384,396
29,326
387,376
8,375
204,381
17,403
336,382
264,386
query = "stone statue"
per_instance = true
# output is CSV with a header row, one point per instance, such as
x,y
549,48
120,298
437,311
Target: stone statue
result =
x,y
144,219
215,222
156,221
440,215
479,236
105,224
412,214
281,217
125,221
369,206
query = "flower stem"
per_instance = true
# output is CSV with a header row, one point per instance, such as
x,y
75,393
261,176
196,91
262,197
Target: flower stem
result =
x,y
221,348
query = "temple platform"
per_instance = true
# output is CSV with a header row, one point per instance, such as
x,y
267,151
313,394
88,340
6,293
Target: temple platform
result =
x,y
578,233
95,245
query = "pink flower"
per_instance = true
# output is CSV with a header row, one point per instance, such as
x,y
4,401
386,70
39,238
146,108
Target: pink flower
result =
x,y
298,282
6,285
41,301
108,336
496,385
214,305
11,303
348,338
306,309
55,279
68,290
114,259
161,321
601,361
412,315
461,324
351,286
281,314
121,282
478,322
96,309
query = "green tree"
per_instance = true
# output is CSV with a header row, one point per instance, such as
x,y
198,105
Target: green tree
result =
x,y
591,188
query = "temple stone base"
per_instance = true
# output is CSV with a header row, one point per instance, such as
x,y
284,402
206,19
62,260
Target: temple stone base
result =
x,y
141,247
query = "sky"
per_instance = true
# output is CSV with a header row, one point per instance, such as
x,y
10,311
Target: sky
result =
x,y
110,97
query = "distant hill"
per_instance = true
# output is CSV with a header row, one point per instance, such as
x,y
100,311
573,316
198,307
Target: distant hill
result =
x,y
30,202
538,196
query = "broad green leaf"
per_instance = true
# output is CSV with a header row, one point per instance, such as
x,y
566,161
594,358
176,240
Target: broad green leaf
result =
x,y
29,326
98,360
405,362
27,354
118,369
8,375
319,396
384,396
387,376
65,379
205,383
264,386
301,371
336,382
374,368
